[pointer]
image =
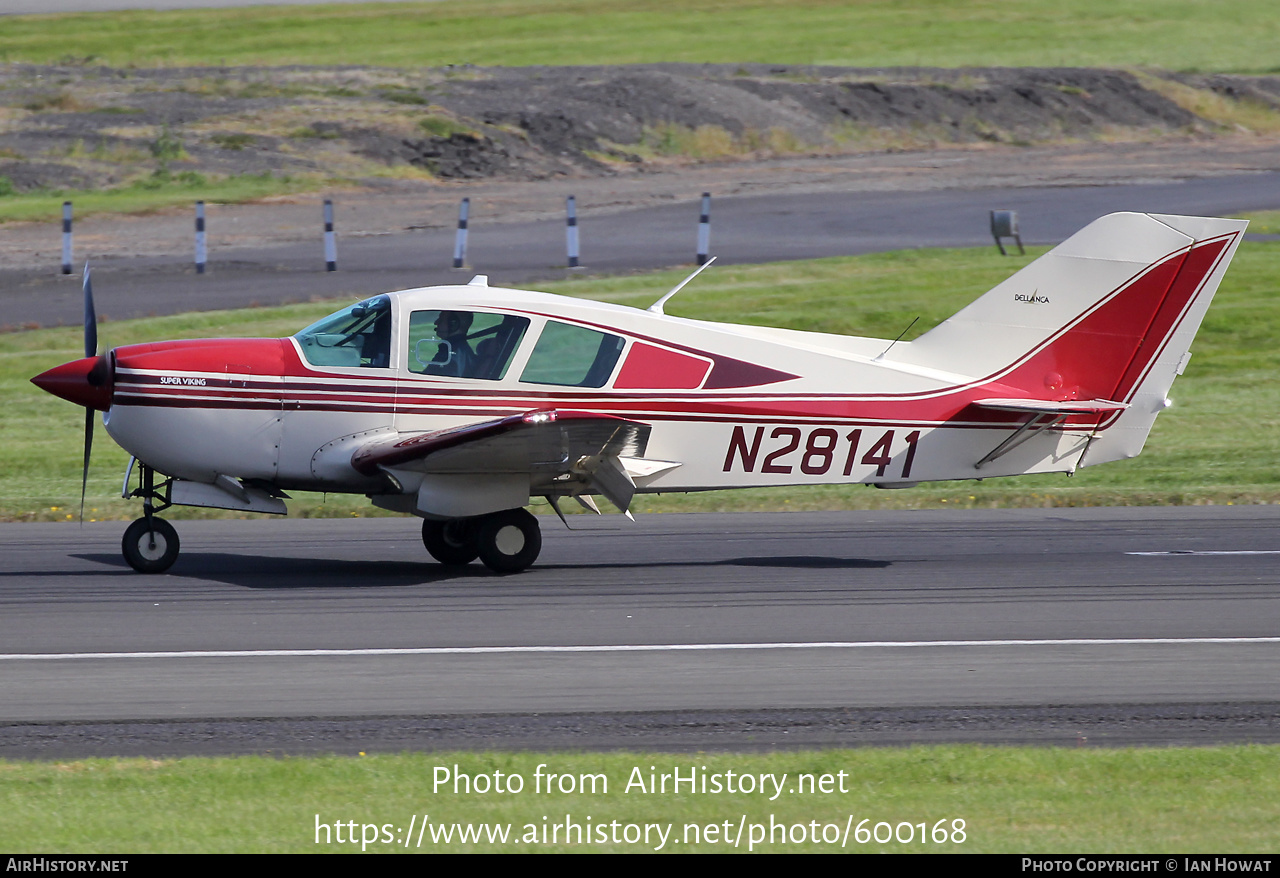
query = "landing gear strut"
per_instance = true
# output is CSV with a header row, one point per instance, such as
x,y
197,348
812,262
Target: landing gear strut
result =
x,y
506,542
150,544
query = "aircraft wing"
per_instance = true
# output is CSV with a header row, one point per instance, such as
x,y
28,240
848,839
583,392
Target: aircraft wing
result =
x,y
579,450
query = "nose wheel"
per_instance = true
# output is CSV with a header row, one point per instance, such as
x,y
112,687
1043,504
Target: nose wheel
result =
x,y
150,545
506,542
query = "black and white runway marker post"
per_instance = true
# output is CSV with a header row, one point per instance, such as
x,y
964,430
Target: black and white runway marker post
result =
x,y
330,242
201,252
460,241
66,237
571,230
704,229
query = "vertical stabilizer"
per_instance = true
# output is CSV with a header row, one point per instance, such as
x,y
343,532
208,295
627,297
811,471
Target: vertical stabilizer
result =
x,y
1107,315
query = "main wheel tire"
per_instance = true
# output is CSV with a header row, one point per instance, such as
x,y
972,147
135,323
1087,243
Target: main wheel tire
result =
x,y
509,541
452,542
150,548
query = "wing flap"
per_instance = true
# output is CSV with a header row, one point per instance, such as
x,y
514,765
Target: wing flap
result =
x,y
512,444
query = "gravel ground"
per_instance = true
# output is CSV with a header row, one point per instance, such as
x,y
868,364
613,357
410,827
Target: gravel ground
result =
x,y
1179,725
96,126
406,145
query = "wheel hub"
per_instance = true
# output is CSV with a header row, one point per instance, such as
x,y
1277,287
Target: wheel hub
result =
x,y
152,547
509,540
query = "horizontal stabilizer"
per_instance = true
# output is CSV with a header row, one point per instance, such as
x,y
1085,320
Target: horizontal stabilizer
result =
x,y
1053,406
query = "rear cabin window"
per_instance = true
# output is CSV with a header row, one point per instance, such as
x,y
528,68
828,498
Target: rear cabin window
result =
x,y
572,356
359,336
463,344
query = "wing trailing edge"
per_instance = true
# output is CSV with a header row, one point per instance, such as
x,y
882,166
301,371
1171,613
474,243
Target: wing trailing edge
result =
x,y
553,452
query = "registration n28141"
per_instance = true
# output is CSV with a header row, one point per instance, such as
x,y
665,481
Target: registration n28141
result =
x,y
814,451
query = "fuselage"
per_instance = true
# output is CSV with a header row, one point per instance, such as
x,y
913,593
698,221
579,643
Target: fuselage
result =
x,y
734,406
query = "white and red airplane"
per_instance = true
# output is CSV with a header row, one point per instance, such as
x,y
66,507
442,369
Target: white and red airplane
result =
x,y
459,404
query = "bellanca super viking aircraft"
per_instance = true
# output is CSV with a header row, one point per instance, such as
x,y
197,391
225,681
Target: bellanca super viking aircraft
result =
x,y
459,404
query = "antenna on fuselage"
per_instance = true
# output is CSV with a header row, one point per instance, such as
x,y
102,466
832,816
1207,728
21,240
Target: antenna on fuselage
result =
x,y
656,307
896,340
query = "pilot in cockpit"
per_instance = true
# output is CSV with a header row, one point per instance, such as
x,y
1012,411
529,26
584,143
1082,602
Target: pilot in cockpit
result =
x,y
456,358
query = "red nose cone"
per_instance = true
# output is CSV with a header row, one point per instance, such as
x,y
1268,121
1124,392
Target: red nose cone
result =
x,y
86,382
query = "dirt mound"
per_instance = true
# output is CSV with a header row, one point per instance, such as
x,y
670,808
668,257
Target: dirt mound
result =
x,y
819,108
91,127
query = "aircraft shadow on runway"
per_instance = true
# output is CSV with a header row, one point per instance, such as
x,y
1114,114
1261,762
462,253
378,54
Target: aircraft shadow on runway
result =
x,y
249,571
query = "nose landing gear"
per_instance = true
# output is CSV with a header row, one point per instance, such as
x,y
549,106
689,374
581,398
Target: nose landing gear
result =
x,y
150,544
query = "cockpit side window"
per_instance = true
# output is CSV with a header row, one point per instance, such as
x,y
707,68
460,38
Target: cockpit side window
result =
x,y
572,356
464,344
359,336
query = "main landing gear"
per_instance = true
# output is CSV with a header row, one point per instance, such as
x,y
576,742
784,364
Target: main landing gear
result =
x,y
506,542
150,544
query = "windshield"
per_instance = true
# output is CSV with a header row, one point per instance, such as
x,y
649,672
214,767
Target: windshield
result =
x,y
359,336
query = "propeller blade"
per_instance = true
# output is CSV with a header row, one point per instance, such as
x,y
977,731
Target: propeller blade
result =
x,y
90,349
88,447
90,317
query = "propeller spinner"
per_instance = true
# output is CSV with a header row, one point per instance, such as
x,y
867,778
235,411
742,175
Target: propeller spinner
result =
x,y
84,382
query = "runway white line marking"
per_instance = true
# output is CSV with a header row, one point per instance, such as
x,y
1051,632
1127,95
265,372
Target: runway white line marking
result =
x,y
659,647
1208,552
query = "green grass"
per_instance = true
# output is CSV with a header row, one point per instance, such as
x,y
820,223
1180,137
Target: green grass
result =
x,y
1216,445
1011,800
1263,222
150,194
1232,35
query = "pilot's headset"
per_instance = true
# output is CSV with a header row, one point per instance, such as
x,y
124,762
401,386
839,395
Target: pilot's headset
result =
x,y
455,323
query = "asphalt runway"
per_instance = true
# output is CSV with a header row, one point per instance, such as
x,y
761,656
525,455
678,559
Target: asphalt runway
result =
x,y
744,229
1061,626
